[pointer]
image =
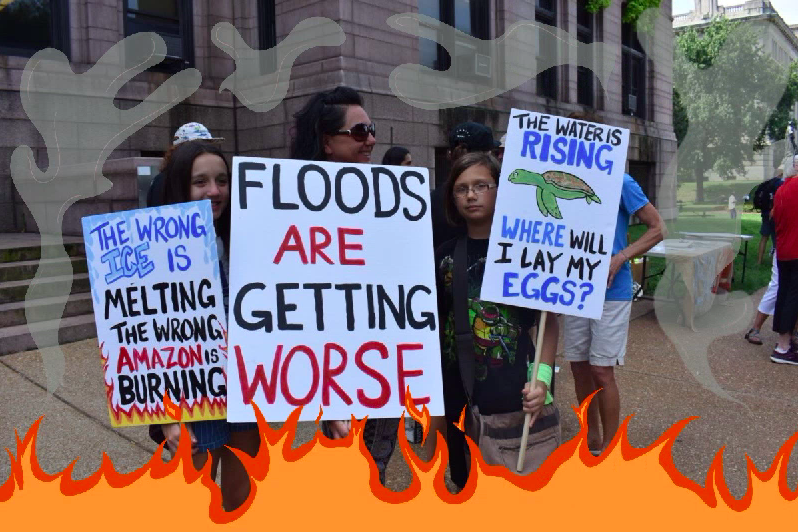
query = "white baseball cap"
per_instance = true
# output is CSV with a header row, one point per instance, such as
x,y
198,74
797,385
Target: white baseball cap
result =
x,y
193,131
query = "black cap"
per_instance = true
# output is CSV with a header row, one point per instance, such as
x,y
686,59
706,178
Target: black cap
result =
x,y
475,137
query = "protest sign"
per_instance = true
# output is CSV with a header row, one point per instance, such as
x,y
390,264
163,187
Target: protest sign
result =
x,y
332,290
556,211
160,316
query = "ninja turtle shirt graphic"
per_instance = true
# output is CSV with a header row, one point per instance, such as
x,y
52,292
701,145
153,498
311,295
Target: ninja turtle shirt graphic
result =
x,y
502,344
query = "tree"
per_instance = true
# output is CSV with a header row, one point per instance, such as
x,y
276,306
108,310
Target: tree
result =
x,y
732,98
632,11
680,121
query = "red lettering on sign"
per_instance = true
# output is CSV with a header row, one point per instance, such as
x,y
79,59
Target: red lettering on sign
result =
x,y
328,375
401,373
291,242
259,380
343,246
385,392
314,365
124,360
316,247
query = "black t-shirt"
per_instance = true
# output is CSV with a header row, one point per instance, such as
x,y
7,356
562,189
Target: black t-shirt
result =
x,y
502,346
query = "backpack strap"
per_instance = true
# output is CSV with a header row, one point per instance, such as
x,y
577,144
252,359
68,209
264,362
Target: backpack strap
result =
x,y
464,337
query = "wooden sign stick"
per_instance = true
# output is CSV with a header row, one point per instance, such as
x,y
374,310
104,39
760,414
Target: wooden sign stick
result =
x,y
538,346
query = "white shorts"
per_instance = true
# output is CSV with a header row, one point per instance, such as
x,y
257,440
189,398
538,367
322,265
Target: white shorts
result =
x,y
768,303
600,342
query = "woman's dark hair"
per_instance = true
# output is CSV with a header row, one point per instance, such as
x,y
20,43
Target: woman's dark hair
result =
x,y
324,113
457,152
462,164
395,156
177,180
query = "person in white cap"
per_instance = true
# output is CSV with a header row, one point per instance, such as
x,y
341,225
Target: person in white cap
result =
x,y
499,152
185,133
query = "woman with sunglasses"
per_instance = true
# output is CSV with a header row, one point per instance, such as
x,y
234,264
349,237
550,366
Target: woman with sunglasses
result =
x,y
333,126
196,171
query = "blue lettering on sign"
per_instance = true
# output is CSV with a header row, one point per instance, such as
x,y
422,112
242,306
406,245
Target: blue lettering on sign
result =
x,y
183,261
507,284
160,229
562,150
534,293
547,290
530,231
567,287
545,295
587,290
604,165
127,262
121,231
507,231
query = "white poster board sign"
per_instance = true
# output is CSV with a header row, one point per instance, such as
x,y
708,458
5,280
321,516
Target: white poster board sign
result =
x,y
556,211
159,312
332,291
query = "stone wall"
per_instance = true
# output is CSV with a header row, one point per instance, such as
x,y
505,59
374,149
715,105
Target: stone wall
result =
x,y
371,51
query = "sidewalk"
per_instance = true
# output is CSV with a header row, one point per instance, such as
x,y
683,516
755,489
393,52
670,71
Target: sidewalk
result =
x,y
655,387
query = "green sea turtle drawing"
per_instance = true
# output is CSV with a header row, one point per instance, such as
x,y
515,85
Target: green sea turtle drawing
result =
x,y
554,184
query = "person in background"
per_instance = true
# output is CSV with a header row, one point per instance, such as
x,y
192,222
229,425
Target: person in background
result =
x,y
397,156
185,133
768,229
333,126
196,171
468,137
732,206
498,395
465,138
595,347
499,152
785,313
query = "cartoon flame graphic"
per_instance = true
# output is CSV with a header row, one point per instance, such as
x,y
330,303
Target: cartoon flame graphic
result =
x,y
335,484
206,408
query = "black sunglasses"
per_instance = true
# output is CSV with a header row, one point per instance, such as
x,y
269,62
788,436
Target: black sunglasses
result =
x,y
359,132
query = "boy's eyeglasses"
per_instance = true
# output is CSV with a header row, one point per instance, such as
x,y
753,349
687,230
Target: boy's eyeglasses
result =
x,y
479,189
359,132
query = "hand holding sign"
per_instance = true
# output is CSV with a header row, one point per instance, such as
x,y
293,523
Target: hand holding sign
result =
x,y
555,217
159,312
548,247
331,309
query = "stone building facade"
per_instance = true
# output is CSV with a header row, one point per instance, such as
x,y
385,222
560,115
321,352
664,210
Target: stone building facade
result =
x,y
777,39
638,95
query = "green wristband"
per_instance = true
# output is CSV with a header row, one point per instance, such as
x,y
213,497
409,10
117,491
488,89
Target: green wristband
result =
x,y
545,373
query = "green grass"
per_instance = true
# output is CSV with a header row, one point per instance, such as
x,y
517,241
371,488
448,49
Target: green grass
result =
x,y
716,194
756,276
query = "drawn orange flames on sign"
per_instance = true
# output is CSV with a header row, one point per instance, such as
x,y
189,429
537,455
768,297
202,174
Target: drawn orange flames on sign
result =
x,y
334,484
206,408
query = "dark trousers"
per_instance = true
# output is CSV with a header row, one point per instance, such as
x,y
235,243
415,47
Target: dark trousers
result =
x,y
454,400
787,297
380,438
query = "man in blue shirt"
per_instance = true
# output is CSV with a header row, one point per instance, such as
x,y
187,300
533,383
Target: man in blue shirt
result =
x,y
594,347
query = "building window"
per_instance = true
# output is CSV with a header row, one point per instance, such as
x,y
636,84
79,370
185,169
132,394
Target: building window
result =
x,y
267,34
172,20
267,30
27,26
585,33
469,16
633,73
546,13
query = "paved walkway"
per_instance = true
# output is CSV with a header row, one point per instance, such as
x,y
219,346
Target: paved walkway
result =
x,y
656,388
